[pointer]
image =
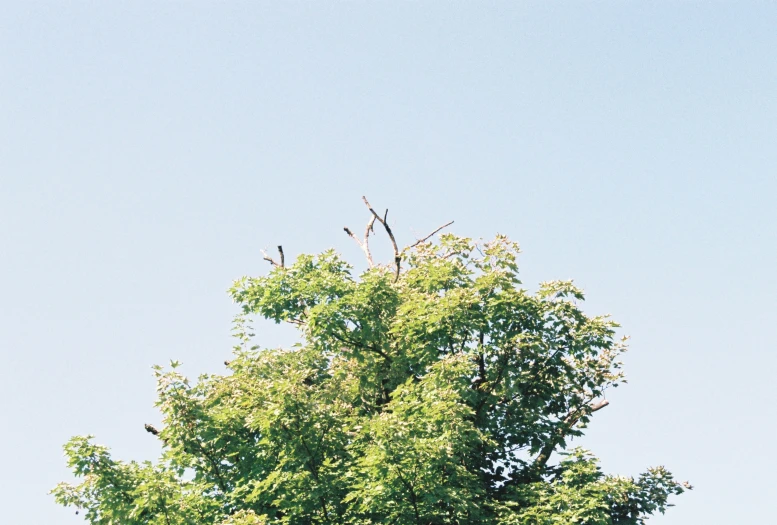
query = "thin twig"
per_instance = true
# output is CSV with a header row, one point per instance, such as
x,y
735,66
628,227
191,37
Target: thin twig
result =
x,y
269,259
351,235
428,236
384,222
365,244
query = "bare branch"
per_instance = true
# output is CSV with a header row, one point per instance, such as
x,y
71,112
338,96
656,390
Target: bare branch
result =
x,y
419,241
599,405
384,222
351,235
272,261
365,244
269,259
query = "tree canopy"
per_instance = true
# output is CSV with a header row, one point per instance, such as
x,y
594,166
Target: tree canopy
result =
x,y
431,390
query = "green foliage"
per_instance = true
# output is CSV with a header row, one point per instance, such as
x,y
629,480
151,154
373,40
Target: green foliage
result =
x,y
434,395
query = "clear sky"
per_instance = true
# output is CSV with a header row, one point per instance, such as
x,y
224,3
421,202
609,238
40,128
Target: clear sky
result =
x,y
150,150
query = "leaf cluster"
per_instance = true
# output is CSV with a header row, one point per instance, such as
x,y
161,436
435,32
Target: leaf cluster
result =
x,y
432,396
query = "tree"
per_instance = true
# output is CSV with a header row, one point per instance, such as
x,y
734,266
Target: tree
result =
x,y
432,390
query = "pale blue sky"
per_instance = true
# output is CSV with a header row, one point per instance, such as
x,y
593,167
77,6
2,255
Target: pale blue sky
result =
x,y
149,150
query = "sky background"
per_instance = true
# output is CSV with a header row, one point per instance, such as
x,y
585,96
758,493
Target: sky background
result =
x,y
150,150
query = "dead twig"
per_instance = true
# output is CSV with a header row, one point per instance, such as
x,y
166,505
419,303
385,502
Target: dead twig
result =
x,y
365,244
369,229
419,241
384,222
272,261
